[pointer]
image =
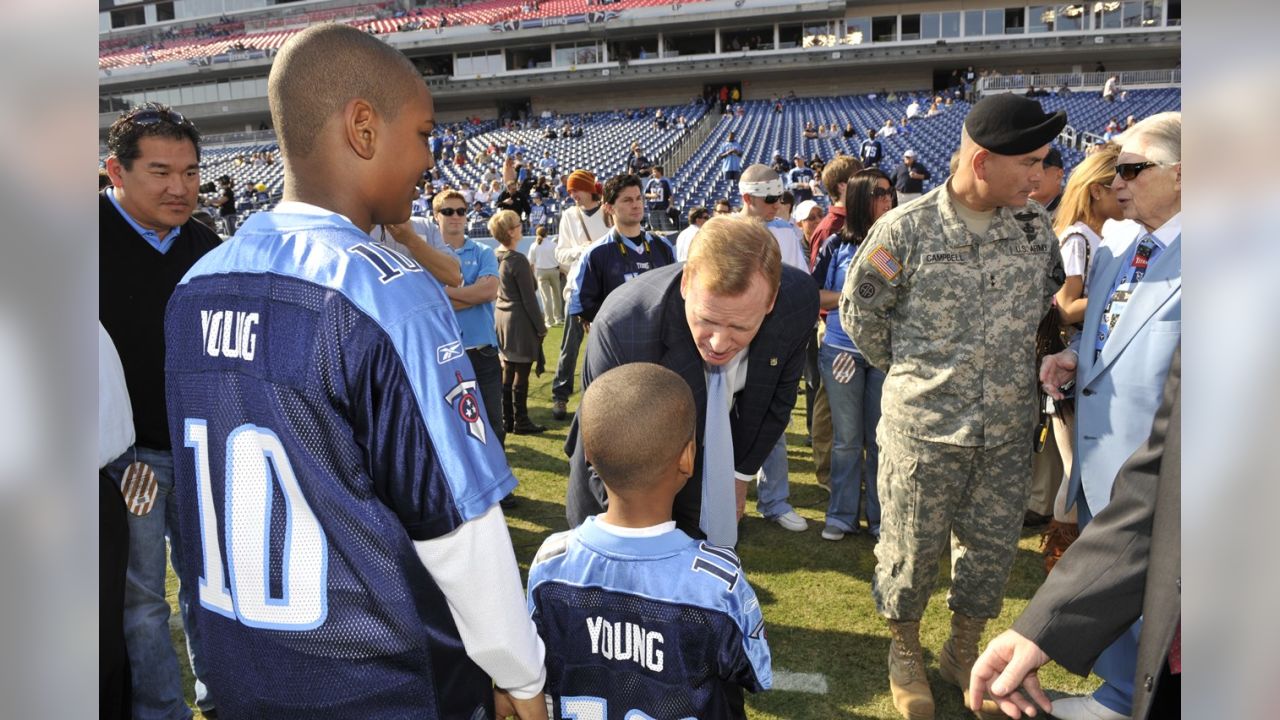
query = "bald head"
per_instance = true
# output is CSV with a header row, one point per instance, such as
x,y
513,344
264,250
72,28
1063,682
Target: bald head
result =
x,y
321,69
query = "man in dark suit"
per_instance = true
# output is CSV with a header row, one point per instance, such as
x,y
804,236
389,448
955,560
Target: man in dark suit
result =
x,y
1126,563
733,308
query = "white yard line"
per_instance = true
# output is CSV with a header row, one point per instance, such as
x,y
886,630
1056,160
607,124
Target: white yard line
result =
x,y
815,683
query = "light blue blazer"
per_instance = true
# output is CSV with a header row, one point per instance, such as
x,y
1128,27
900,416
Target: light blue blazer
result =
x,y
1118,394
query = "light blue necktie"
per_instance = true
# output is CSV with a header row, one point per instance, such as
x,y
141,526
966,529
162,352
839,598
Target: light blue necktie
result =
x,y
719,518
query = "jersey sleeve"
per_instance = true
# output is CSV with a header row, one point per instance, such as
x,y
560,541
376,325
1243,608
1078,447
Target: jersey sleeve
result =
x,y
431,455
748,663
589,295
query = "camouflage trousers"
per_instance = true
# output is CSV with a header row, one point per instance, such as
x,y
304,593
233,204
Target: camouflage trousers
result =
x,y
934,492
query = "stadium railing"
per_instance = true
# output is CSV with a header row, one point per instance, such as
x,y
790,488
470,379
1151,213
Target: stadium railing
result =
x,y
1081,81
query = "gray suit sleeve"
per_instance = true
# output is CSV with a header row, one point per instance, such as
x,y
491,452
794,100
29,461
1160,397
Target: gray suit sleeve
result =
x,y
1096,591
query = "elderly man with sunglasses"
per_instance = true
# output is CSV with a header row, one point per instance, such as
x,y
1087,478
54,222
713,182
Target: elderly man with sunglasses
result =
x,y
146,243
761,191
1119,363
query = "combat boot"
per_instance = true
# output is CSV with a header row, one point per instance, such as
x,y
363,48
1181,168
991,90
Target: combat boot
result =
x,y
911,694
958,656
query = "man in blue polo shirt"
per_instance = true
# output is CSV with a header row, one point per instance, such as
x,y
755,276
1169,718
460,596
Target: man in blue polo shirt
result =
x,y
473,302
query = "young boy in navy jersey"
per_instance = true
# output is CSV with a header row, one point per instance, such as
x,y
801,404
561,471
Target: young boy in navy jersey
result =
x,y
639,619
337,483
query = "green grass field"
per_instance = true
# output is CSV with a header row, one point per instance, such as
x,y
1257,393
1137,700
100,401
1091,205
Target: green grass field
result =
x,y
816,594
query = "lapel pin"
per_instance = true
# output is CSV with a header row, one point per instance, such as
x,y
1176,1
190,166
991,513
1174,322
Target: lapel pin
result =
x,y
773,362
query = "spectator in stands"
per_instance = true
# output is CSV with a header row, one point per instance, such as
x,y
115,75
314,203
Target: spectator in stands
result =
x,y
546,270
816,164
723,206
147,241
659,120
849,132
539,216
852,386
730,157
625,252
798,178
479,212
887,130
484,194
1049,192
909,177
1111,88
780,164
913,109
226,204
548,164
638,164
810,132
871,152
698,216
761,192
657,193
580,226
513,199
822,132
518,324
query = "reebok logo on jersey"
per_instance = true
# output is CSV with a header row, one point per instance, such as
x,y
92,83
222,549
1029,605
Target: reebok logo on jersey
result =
x,y
229,333
448,352
626,642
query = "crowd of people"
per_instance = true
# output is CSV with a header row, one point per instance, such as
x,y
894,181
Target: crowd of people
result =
x,y
314,414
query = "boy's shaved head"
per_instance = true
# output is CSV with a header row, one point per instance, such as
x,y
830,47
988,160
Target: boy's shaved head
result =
x,y
321,69
635,421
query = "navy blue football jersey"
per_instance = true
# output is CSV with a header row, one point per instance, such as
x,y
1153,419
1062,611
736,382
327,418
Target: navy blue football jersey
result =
x,y
611,261
650,628
324,416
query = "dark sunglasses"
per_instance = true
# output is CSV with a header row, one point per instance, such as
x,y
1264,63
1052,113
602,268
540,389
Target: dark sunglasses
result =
x,y
769,199
450,212
881,192
151,116
1129,171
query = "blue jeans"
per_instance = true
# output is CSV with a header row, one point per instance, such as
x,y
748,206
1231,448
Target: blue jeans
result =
x,y
157,682
488,367
855,413
1117,664
562,386
772,488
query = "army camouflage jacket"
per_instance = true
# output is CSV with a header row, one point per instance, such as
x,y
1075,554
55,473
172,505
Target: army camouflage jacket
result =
x,y
952,318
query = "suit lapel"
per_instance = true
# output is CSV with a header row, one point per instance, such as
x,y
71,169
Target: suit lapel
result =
x,y
1162,280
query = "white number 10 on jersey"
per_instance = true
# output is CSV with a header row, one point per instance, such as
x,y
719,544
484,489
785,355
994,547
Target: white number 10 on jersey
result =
x,y
255,461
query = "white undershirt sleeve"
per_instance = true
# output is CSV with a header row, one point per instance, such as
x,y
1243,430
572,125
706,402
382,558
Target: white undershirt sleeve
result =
x,y
490,612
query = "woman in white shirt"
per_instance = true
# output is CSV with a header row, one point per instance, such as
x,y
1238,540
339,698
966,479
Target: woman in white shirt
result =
x,y
547,272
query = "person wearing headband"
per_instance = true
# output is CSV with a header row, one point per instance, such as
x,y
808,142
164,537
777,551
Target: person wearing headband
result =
x,y
761,190
945,295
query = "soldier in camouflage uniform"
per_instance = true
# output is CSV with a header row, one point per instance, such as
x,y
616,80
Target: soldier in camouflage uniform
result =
x,y
945,294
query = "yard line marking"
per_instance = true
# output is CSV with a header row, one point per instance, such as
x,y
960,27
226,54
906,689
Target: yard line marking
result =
x,y
814,683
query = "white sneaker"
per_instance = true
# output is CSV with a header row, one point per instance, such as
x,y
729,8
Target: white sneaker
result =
x,y
1084,708
833,533
791,520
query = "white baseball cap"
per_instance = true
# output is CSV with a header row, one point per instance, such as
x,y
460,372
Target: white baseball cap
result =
x,y
909,153
803,209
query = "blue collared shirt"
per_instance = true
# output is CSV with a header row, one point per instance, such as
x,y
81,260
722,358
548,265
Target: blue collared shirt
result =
x,y
151,236
476,322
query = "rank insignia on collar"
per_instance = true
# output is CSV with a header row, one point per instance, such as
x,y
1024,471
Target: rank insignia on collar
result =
x,y
462,398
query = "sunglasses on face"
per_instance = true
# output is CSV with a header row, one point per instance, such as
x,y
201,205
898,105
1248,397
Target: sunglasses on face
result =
x,y
881,192
768,199
152,116
1129,171
450,212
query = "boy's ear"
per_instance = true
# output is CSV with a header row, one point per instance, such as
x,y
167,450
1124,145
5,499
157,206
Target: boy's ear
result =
x,y
685,461
359,124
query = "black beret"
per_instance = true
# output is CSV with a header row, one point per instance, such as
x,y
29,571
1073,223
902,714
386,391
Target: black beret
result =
x,y
1009,124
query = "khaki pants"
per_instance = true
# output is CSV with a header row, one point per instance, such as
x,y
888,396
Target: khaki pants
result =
x,y
933,492
1063,433
1046,476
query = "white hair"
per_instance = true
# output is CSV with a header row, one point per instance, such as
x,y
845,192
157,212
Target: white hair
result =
x,y
1162,134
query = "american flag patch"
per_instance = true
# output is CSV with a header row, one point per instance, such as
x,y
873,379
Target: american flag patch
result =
x,y
885,262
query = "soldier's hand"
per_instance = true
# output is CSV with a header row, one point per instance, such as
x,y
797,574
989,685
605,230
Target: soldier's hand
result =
x,y
1057,370
1009,662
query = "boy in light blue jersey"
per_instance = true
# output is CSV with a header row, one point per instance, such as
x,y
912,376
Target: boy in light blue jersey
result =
x,y
639,619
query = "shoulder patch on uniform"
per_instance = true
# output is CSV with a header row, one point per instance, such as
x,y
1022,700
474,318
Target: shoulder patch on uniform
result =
x,y
866,290
554,546
884,262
